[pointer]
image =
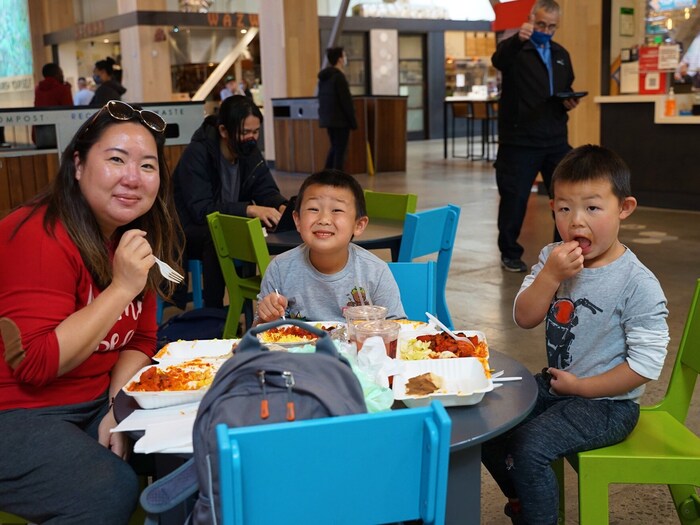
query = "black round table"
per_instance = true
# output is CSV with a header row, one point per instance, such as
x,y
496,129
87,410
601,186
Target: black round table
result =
x,y
379,234
499,411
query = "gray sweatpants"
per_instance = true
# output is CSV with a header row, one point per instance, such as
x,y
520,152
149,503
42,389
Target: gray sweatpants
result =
x,y
54,471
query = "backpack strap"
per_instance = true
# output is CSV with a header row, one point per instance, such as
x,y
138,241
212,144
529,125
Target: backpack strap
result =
x,y
169,491
250,341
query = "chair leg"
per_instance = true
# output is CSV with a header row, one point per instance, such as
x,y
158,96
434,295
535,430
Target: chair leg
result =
x,y
558,468
195,269
592,498
687,503
233,318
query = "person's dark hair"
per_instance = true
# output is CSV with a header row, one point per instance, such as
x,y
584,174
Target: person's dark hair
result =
x,y
337,179
232,114
589,163
333,54
106,65
65,202
51,70
549,6
82,79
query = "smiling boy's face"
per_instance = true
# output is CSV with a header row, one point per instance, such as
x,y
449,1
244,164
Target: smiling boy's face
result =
x,y
590,213
327,219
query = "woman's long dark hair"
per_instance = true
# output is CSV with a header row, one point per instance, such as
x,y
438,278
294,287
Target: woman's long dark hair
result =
x,y
65,203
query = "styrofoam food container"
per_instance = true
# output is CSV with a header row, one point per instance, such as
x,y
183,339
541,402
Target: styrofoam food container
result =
x,y
166,398
464,381
312,341
182,350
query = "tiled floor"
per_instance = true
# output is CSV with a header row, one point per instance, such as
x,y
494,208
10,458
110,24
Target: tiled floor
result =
x,y
480,294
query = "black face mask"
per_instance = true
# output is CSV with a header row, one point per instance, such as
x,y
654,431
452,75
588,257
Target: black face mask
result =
x,y
246,148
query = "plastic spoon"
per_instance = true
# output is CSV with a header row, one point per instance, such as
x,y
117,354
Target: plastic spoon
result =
x,y
448,331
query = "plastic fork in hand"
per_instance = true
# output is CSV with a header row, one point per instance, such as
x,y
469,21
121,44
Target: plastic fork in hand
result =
x,y
167,272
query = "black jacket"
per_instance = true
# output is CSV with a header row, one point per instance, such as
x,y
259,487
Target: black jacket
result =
x,y
527,114
110,90
335,107
197,180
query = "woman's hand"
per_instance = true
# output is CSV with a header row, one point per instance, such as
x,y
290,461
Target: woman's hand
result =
x,y
133,259
272,307
117,442
268,216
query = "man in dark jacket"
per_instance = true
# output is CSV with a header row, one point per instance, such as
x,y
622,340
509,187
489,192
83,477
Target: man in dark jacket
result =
x,y
532,121
223,170
52,91
335,108
108,80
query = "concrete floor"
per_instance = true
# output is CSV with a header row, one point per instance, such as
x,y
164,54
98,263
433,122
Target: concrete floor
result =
x,y
480,294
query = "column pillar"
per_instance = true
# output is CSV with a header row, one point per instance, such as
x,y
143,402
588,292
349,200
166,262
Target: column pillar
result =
x,y
289,55
145,56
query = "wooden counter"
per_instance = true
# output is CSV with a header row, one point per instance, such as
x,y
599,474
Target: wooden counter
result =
x,y
301,146
661,151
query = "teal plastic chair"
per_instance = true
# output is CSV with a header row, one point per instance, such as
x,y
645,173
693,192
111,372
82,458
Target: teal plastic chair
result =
x,y
661,450
417,283
194,266
429,232
367,468
238,239
394,206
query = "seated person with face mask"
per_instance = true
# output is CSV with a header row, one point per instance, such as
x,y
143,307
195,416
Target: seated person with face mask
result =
x,y
223,170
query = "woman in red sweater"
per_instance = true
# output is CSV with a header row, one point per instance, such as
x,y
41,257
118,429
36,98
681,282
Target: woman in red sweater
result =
x,y
77,319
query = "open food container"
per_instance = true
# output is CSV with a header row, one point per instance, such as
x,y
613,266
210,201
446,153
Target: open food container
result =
x,y
461,381
411,347
179,351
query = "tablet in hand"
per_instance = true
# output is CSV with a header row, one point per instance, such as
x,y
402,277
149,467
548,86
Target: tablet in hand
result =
x,y
571,94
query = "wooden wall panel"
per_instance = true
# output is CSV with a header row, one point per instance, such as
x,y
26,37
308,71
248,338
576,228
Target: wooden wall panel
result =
x,y
321,146
283,144
302,50
5,205
389,144
303,146
356,159
14,172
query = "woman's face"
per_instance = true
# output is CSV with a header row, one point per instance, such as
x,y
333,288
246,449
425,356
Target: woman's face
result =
x,y
120,176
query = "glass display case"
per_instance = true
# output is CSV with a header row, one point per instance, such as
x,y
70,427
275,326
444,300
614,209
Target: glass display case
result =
x,y
355,45
411,80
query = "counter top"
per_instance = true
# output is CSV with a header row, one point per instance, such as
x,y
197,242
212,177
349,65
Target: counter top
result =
x,y
659,102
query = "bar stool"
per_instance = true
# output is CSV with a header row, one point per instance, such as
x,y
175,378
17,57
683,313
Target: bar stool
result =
x,y
462,111
486,112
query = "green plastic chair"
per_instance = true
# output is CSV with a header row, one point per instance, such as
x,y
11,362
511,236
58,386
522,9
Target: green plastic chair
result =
x,y
10,519
394,206
239,239
660,450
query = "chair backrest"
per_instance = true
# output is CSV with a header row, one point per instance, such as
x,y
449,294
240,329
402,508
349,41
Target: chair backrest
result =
x,y
417,284
368,468
428,232
382,205
687,365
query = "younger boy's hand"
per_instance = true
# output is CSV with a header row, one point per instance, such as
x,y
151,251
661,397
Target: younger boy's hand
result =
x,y
563,383
272,307
565,261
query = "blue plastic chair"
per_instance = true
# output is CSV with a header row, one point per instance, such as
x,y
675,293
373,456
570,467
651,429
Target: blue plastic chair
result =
x,y
194,266
417,283
428,232
366,468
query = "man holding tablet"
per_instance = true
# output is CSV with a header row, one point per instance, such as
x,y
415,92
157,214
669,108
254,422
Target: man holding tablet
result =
x,y
536,93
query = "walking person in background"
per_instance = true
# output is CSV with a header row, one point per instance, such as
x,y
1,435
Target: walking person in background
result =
x,y
532,121
108,82
50,92
336,112
84,95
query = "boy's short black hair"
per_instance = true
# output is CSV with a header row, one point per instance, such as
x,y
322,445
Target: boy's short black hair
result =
x,y
50,70
333,54
589,162
337,179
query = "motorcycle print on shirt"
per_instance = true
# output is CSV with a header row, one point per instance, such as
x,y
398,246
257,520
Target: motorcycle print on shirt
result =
x,y
561,319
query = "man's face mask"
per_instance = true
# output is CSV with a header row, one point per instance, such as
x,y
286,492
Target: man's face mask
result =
x,y
539,39
244,148
97,79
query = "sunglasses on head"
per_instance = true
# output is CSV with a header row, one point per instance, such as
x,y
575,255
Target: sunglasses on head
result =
x,y
119,110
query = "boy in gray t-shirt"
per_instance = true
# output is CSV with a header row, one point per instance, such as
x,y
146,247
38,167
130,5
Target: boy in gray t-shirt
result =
x,y
318,279
606,335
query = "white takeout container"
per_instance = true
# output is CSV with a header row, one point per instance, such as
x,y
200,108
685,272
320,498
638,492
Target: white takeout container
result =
x,y
406,336
178,351
464,381
316,324
168,398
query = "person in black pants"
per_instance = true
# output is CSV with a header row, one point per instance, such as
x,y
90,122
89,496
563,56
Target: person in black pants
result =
x,y
223,170
532,121
336,112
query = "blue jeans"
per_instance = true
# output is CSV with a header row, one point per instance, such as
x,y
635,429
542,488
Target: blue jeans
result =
x,y
54,471
520,460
